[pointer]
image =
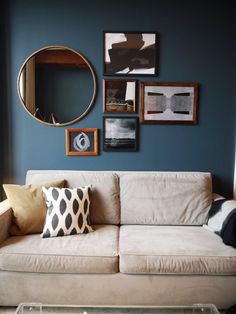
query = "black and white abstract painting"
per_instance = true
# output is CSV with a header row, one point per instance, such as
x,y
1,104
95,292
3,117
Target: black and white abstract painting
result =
x,y
120,134
82,142
168,103
130,53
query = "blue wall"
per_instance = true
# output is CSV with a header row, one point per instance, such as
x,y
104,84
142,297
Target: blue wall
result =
x,y
196,45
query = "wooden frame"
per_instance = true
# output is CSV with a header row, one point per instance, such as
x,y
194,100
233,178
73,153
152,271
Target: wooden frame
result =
x,y
130,53
119,96
82,142
120,134
168,103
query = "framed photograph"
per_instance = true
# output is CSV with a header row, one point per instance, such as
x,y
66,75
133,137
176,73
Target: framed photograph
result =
x,y
168,103
130,53
120,133
119,96
82,142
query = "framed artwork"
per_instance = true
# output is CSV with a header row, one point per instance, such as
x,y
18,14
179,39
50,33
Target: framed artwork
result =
x,y
82,142
130,53
120,133
168,103
119,96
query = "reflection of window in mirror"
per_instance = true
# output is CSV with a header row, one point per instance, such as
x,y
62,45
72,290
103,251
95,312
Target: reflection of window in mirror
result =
x,y
27,85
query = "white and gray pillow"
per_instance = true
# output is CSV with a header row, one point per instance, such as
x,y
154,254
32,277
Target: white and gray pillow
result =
x,y
68,211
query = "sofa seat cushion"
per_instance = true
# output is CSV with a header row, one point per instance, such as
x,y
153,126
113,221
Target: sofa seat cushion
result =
x,y
174,250
95,252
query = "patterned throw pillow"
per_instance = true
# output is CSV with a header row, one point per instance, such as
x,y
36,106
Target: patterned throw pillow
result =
x,y
68,211
222,220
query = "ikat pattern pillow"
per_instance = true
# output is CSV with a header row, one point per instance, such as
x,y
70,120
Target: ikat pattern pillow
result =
x,y
68,211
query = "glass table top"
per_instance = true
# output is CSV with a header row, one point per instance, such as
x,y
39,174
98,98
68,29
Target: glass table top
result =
x,y
33,308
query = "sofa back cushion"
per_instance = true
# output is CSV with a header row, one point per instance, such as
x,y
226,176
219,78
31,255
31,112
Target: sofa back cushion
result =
x,y
165,198
105,205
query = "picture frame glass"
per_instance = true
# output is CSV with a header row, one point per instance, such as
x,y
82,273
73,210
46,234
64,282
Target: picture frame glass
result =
x,y
130,53
119,96
120,134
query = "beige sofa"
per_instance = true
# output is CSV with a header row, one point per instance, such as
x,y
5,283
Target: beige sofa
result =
x,y
148,248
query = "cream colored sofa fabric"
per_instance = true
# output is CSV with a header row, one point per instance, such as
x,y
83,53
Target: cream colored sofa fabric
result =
x,y
174,250
105,205
5,219
174,198
95,252
116,289
160,255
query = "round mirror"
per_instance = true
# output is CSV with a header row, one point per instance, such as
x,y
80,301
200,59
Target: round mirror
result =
x,y
57,85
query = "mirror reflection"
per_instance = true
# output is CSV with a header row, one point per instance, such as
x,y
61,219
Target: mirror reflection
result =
x,y
57,85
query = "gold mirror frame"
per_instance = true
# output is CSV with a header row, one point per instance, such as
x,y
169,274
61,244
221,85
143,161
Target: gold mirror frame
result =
x,y
94,86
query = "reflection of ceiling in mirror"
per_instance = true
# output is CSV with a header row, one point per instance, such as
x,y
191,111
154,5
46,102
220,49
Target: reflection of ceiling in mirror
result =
x,y
60,57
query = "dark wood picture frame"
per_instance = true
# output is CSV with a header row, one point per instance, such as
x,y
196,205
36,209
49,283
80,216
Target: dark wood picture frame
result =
x,y
168,103
130,53
120,134
82,142
119,96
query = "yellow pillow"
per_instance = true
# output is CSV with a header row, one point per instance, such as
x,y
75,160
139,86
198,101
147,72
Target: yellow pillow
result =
x,y
29,207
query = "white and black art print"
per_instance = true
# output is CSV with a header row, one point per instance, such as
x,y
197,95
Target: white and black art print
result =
x,y
130,53
81,142
119,96
120,134
168,103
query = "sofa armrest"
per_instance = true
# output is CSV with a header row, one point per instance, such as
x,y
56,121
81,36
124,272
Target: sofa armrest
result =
x,y
5,219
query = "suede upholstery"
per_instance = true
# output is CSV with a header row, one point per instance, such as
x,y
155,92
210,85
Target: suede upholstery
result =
x,y
174,250
105,206
5,219
116,289
68,254
165,198
159,255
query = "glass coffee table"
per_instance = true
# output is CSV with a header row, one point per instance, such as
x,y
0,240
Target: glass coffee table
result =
x,y
27,308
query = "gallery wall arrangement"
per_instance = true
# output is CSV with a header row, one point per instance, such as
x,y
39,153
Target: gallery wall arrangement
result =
x,y
161,78
125,54
131,54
